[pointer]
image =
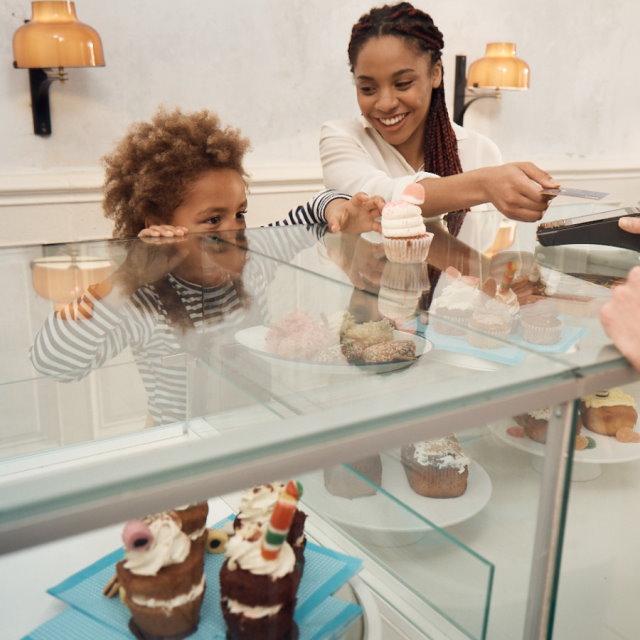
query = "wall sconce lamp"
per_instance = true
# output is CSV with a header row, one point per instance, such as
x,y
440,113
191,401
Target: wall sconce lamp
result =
x,y
53,39
64,278
499,69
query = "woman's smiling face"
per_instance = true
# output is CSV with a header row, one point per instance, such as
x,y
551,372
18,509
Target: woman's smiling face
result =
x,y
394,82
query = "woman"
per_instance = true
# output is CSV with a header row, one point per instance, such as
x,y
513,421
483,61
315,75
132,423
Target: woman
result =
x,y
405,134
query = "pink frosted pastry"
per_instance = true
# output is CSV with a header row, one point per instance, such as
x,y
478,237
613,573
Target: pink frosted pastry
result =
x,y
405,236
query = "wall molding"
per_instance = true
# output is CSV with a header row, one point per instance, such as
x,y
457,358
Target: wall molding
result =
x,y
85,185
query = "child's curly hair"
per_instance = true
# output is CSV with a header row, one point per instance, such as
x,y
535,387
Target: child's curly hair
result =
x,y
150,171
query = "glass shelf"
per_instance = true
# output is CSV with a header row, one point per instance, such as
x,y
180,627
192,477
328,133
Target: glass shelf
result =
x,y
401,542
81,388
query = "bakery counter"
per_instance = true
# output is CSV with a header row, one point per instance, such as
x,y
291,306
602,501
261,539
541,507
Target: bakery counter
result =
x,y
57,584
495,520
241,399
289,352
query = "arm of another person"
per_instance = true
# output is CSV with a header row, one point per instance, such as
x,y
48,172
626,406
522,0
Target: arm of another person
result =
x,y
630,224
513,189
620,317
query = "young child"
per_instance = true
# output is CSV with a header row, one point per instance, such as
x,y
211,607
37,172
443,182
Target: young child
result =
x,y
188,283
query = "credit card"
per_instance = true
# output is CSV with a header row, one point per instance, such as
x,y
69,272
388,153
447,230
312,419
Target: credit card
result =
x,y
575,193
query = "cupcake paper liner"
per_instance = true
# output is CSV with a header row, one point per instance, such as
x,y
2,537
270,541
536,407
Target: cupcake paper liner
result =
x,y
407,250
539,334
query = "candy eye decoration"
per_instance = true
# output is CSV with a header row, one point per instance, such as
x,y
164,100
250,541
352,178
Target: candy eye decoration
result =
x,y
136,536
217,541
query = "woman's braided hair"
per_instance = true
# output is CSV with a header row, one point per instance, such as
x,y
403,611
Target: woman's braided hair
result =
x,y
417,28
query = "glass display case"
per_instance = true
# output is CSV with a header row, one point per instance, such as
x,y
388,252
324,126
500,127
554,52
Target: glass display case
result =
x,y
139,375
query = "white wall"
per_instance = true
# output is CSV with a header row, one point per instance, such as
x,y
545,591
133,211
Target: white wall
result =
x,y
278,68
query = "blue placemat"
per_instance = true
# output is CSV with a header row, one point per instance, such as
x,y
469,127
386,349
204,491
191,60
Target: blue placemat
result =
x,y
324,573
512,353
570,335
329,621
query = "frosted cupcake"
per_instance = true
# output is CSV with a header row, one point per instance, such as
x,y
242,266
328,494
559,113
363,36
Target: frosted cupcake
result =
x,y
436,468
452,309
489,330
405,236
541,329
490,324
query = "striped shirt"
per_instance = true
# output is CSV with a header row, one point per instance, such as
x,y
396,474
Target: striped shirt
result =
x,y
89,332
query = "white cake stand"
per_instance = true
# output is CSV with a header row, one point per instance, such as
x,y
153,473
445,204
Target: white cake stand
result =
x,y
587,464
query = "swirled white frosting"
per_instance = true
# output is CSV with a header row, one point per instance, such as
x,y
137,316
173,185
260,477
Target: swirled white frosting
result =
x,y
401,219
256,504
246,554
495,310
178,601
170,546
442,453
541,414
252,612
457,295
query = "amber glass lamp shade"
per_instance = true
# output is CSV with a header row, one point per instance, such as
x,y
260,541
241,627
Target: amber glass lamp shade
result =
x,y
65,278
499,68
55,38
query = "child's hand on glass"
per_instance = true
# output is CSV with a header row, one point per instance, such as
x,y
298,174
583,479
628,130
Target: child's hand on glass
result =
x,y
356,215
163,231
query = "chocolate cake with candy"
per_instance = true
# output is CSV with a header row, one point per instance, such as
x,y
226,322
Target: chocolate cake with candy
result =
x,y
161,578
260,576
256,507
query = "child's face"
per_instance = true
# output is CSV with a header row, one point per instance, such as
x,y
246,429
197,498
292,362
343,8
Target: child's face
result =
x,y
216,201
393,85
216,204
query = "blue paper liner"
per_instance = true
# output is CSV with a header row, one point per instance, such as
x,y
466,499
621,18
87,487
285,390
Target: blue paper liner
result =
x,y
514,350
329,621
317,615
